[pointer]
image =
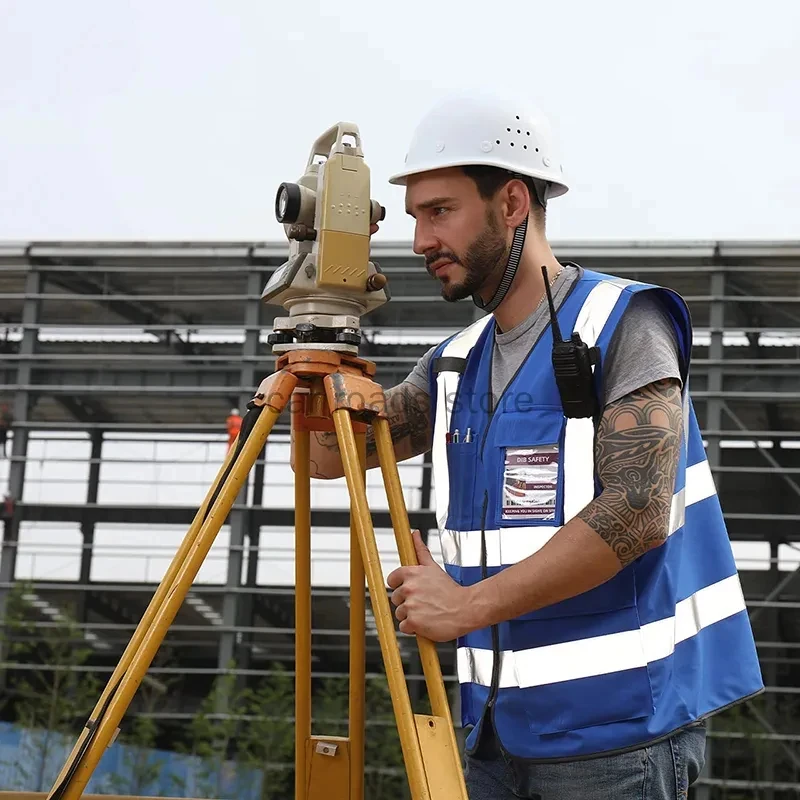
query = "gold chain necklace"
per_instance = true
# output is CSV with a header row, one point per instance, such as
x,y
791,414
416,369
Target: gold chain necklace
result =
x,y
552,281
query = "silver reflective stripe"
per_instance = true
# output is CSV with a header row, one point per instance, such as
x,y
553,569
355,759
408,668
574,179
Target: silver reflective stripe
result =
x,y
614,652
578,458
577,462
475,666
510,545
597,308
503,547
447,384
699,485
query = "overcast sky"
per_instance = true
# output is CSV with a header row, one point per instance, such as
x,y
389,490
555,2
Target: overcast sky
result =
x,y
154,120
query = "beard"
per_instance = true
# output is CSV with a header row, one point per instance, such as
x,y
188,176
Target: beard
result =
x,y
485,256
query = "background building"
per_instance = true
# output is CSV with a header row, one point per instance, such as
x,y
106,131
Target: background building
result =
x,y
120,364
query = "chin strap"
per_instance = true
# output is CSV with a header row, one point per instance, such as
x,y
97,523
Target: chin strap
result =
x,y
511,270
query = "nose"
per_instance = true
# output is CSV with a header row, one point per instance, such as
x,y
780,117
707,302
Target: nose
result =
x,y
424,240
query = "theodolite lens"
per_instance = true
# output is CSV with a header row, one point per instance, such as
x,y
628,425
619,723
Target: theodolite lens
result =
x,y
287,203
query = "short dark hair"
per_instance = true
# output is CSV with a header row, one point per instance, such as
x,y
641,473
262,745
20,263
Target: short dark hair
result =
x,y
490,180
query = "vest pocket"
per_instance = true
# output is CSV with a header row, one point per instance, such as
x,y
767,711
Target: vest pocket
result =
x,y
580,671
461,466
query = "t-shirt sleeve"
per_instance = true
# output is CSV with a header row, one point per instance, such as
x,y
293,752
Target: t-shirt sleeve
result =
x,y
643,349
419,375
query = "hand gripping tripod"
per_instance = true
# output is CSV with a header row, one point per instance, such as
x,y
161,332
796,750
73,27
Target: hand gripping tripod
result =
x,y
327,284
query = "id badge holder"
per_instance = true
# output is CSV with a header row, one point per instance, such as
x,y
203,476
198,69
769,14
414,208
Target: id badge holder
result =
x,y
531,485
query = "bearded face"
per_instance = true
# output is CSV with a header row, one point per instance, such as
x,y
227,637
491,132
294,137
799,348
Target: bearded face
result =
x,y
460,232
475,267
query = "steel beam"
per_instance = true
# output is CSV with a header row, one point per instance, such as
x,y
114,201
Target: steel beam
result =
x,y
740,525
21,409
88,524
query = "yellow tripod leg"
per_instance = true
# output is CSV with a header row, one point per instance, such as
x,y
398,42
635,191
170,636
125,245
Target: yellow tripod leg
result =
x,y
357,648
401,702
437,735
326,767
144,624
302,608
273,394
428,742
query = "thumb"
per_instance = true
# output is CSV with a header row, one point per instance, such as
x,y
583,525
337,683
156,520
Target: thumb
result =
x,y
423,553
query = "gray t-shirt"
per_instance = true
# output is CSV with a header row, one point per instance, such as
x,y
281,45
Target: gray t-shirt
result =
x,y
644,348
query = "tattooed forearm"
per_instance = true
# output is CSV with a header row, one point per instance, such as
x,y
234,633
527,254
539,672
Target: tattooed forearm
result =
x,y
637,453
408,411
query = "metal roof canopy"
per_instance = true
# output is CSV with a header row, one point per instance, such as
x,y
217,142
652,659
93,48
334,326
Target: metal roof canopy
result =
x,y
169,289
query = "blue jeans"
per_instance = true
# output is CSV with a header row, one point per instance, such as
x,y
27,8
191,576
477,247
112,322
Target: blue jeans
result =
x,y
663,771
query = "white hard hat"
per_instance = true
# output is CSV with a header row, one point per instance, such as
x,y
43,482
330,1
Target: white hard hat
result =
x,y
485,129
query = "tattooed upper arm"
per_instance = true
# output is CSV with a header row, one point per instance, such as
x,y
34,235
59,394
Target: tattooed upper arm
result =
x,y
408,410
636,456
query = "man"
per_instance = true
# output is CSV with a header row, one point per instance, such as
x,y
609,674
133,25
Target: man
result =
x,y
233,425
588,577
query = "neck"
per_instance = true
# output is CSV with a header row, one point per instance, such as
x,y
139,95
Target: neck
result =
x,y
527,289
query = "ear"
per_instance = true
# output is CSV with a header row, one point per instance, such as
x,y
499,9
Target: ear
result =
x,y
516,203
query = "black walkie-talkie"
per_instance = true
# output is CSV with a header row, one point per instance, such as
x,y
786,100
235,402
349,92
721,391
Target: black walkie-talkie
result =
x,y
573,360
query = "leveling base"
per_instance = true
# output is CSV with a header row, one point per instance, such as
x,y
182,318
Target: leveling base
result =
x,y
339,395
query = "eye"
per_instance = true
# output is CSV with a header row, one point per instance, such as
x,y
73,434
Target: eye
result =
x,y
439,210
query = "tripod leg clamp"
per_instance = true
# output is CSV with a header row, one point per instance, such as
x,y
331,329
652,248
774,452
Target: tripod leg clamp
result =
x,y
275,391
361,396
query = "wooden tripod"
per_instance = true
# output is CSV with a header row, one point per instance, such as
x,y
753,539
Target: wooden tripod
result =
x,y
342,397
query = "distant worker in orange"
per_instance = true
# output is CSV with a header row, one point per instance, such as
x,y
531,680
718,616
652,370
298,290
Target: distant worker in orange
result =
x,y
234,425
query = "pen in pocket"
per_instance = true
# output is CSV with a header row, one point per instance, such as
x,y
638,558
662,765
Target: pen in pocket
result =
x,y
456,438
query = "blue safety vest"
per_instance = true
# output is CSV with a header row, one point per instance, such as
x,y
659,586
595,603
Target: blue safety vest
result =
x,y
662,644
